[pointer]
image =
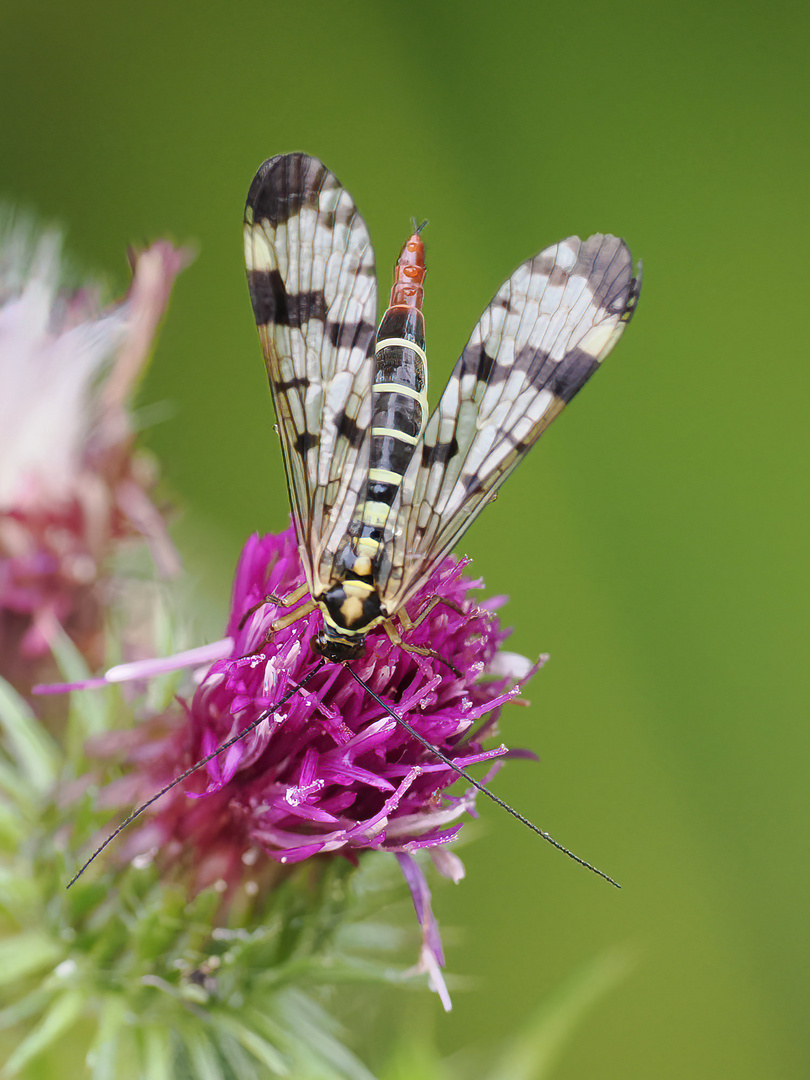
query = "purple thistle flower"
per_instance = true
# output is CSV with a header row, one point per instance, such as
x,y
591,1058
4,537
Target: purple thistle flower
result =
x,y
328,773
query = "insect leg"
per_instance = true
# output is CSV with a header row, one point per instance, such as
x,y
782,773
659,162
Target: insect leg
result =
x,y
281,601
421,650
291,617
411,624
285,620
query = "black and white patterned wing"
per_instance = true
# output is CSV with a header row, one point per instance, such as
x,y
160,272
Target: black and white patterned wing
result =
x,y
545,333
310,268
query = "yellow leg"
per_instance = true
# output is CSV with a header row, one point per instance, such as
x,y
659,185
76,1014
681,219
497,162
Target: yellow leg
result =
x,y
420,650
291,617
284,621
281,601
411,624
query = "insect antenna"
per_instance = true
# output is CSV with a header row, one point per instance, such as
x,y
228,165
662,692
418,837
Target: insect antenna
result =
x,y
197,765
445,760
476,783
418,228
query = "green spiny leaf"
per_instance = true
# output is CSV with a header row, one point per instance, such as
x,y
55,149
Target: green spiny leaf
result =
x,y
259,1047
104,1050
204,1058
33,750
25,953
57,1021
89,710
157,1052
533,1053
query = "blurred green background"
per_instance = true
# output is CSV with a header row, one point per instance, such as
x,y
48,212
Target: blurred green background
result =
x,y
655,544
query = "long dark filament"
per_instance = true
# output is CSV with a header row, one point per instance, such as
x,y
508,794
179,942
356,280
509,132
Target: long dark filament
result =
x,y
198,765
437,753
475,783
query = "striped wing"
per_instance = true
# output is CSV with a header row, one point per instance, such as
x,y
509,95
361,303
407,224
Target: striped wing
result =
x,y
310,267
545,333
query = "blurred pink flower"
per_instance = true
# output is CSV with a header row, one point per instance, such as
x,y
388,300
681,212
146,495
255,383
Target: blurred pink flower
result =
x,y
71,488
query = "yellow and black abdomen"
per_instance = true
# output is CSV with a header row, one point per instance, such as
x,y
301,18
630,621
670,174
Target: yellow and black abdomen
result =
x,y
399,403
399,414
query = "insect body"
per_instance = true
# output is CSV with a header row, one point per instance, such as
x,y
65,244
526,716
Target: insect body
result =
x,y
399,412
380,492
